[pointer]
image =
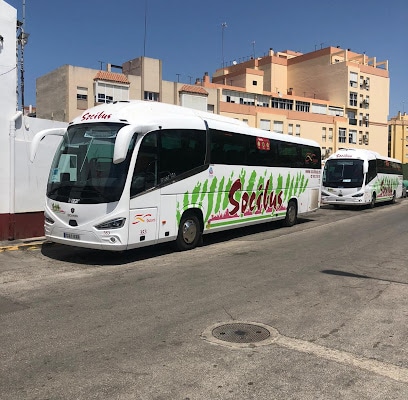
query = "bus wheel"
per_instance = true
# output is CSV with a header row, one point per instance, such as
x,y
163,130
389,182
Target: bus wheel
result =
x,y
291,214
372,204
394,198
189,233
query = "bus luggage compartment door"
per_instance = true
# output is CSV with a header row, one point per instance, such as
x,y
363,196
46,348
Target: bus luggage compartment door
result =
x,y
142,225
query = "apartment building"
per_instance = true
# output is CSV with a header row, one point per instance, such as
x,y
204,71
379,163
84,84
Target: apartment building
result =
x,y
337,97
398,137
66,92
334,96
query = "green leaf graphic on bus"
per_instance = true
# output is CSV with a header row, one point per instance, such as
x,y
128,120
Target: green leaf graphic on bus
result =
x,y
385,187
241,197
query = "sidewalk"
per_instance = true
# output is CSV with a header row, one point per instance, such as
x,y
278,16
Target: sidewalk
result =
x,y
21,243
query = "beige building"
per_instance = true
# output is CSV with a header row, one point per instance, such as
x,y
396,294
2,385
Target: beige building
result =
x,y
337,97
66,92
398,137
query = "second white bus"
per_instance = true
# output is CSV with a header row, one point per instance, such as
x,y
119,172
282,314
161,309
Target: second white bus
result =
x,y
361,178
131,174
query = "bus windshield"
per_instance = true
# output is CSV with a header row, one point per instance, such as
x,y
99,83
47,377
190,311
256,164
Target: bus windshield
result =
x,y
343,173
82,171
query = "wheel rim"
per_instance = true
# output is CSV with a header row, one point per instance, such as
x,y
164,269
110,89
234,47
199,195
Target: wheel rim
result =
x,y
292,213
189,231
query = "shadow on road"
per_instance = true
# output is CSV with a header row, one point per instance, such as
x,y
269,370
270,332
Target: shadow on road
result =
x,y
79,255
352,275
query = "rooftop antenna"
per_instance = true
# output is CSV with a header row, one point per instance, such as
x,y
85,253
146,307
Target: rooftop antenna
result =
x,y
253,48
145,30
223,26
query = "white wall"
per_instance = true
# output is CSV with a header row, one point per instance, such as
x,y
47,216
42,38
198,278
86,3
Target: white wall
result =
x,y
8,97
31,178
22,183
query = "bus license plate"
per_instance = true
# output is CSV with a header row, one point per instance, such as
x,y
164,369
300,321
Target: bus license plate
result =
x,y
74,236
340,199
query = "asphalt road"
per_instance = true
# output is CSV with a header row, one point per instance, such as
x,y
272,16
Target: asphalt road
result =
x,y
152,323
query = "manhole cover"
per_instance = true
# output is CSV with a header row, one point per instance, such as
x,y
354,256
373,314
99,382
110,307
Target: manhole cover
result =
x,y
241,333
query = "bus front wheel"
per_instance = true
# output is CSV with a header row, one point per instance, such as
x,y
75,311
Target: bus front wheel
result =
x,y
372,203
189,233
291,214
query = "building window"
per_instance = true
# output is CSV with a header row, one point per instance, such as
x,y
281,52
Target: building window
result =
x,y
107,92
262,101
103,98
336,111
297,130
353,99
302,106
342,135
324,134
365,139
323,152
285,104
265,124
290,129
319,108
151,96
278,126
330,134
353,79
82,98
255,83
366,120
352,136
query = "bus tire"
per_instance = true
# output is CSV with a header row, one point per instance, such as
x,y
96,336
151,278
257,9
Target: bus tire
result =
x,y
394,197
372,203
189,232
291,214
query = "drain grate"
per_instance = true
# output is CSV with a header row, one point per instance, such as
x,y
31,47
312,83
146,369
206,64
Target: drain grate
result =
x,y
241,333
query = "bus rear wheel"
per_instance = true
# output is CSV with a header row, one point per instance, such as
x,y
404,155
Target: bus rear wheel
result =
x,y
291,214
189,233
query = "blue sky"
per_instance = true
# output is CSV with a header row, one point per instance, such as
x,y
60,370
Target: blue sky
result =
x,y
187,34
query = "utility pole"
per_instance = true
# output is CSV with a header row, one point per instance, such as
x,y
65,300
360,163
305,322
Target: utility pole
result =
x,y
22,40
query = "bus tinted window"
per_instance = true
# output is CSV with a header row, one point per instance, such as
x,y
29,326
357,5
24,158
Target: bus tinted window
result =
x,y
235,149
166,154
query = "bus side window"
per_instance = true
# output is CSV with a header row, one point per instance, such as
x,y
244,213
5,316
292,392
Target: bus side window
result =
x,y
145,172
372,171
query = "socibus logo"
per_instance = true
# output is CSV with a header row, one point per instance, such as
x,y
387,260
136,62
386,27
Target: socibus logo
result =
x,y
142,218
100,115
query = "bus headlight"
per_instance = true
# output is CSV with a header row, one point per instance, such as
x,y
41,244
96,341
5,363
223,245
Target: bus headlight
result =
x,y
48,219
358,195
112,224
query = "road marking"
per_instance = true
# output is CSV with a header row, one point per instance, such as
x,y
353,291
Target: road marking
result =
x,y
385,369
378,367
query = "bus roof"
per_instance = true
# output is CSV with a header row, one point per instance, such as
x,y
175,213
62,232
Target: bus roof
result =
x,y
149,114
361,154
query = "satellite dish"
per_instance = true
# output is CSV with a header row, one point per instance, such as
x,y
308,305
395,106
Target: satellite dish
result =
x,y
234,62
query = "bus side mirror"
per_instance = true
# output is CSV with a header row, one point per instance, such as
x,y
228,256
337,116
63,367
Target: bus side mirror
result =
x,y
365,167
40,136
124,137
122,142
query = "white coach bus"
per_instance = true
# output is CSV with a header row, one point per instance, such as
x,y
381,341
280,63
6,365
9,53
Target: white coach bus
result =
x,y
136,173
360,177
